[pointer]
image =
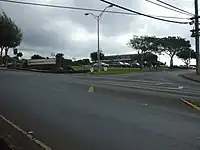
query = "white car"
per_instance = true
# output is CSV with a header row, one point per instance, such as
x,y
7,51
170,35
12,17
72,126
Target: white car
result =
x,y
192,67
127,64
102,64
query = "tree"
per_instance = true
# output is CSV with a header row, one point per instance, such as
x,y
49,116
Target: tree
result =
x,y
171,45
20,54
6,58
186,55
59,58
10,34
82,62
67,62
85,62
59,55
142,44
150,58
36,56
94,57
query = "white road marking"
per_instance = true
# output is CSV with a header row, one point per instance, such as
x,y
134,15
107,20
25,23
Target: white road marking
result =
x,y
41,144
91,89
144,104
180,87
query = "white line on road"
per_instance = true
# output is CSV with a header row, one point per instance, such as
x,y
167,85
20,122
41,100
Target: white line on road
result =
x,y
38,142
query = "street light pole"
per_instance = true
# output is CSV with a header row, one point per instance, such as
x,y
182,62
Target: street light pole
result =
x,y
98,17
98,45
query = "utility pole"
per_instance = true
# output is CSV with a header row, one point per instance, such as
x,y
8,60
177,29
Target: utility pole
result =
x,y
197,37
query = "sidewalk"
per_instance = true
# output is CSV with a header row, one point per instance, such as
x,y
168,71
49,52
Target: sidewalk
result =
x,y
191,76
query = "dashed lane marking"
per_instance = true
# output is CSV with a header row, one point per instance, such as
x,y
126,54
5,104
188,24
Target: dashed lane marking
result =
x,y
91,89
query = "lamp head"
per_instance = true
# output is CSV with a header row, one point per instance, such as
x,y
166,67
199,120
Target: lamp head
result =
x,y
110,5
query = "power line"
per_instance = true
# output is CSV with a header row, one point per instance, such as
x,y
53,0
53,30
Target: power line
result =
x,y
142,14
81,8
167,7
175,7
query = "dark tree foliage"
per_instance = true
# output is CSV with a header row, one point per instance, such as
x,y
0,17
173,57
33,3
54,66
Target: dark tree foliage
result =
x,y
94,57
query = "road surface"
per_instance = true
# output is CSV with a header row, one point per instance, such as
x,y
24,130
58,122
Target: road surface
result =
x,y
64,115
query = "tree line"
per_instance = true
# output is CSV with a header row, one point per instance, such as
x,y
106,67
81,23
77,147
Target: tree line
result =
x,y
171,45
61,60
148,47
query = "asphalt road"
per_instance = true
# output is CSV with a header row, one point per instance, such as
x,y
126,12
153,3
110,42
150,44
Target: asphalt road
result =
x,y
171,77
168,82
64,115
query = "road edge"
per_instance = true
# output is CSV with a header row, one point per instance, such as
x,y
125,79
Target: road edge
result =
x,y
27,134
191,104
188,78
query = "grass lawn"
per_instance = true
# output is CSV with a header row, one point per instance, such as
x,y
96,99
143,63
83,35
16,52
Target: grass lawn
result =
x,y
78,68
112,71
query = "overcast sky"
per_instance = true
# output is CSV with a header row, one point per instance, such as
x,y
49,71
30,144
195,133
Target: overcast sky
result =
x,y
47,30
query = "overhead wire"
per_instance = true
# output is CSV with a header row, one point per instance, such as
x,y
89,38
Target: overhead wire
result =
x,y
142,14
83,9
175,7
178,11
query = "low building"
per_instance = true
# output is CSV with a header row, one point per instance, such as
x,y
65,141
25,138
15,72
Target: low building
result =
x,y
120,58
42,64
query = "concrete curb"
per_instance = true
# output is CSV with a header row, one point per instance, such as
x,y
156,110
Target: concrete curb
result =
x,y
188,78
7,69
191,104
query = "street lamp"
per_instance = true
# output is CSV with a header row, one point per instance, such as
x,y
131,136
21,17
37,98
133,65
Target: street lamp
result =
x,y
98,17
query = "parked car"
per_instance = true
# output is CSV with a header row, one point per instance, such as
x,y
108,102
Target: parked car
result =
x,y
59,70
192,66
127,64
135,65
3,65
102,64
118,64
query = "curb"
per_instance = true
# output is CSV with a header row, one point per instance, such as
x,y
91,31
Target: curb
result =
x,y
7,69
191,104
188,78
27,134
